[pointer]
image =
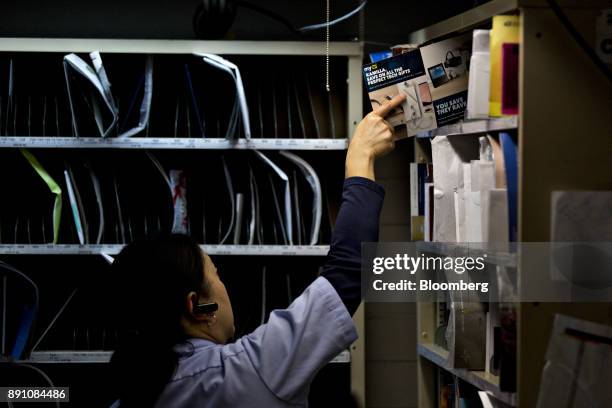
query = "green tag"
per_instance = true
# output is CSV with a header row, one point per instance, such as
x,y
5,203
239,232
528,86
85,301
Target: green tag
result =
x,y
53,186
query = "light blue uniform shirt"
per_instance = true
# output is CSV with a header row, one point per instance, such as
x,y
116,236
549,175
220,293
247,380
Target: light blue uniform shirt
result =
x,y
271,367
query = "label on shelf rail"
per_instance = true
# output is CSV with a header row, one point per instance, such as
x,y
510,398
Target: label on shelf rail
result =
x,y
70,356
252,250
103,356
61,142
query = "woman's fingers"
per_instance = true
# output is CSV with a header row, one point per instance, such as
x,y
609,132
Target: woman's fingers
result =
x,y
384,110
373,137
388,125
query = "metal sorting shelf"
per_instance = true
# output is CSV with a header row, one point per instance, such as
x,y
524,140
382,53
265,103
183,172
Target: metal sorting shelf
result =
x,y
92,357
479,379
473,127
61,142
252,250
506,259
143,46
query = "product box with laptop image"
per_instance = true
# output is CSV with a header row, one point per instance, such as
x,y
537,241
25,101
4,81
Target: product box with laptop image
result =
x,y
434,79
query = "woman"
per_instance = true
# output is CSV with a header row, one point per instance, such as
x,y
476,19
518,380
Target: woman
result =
x,y
180,317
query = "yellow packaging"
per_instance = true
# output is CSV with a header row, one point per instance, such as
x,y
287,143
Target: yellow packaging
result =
x,y
506,30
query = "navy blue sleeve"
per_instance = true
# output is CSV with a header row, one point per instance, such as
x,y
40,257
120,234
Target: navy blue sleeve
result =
x,y
357,222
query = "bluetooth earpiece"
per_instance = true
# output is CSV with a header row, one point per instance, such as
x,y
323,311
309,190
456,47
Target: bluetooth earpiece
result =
x,y
205,308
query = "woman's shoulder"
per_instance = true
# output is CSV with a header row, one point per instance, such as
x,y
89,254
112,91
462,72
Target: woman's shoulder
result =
x,y
198,355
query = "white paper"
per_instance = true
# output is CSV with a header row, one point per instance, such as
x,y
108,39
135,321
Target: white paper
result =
x,y
160,168
412,106
72,61
178,187
475,175
239,215
473,217
317,200
253,213
166,178
75,208
299,221
278,211
414,189
230,191
486,175
287,194
444,208
448,160
99,79
109,259
255,223
459,199
486,150
96,186
486,400
119,211
232,69
96,60
467,177
145,105
494,210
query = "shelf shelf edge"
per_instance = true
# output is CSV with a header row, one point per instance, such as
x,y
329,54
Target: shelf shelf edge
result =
x,y
473,127
96,357
479,379
238,250
62,142
178,46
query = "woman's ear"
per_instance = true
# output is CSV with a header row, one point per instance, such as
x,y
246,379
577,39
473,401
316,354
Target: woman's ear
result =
x,y
192,300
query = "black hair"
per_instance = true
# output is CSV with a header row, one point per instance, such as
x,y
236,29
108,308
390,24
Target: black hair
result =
x,y
152,279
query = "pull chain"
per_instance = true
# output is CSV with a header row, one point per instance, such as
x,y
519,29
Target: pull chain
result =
x,y
327,13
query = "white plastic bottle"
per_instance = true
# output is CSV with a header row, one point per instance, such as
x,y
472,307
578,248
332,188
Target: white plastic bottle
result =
x,y
480,72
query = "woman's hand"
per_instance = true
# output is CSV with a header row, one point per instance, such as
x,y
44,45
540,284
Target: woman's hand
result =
x,y
372,138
